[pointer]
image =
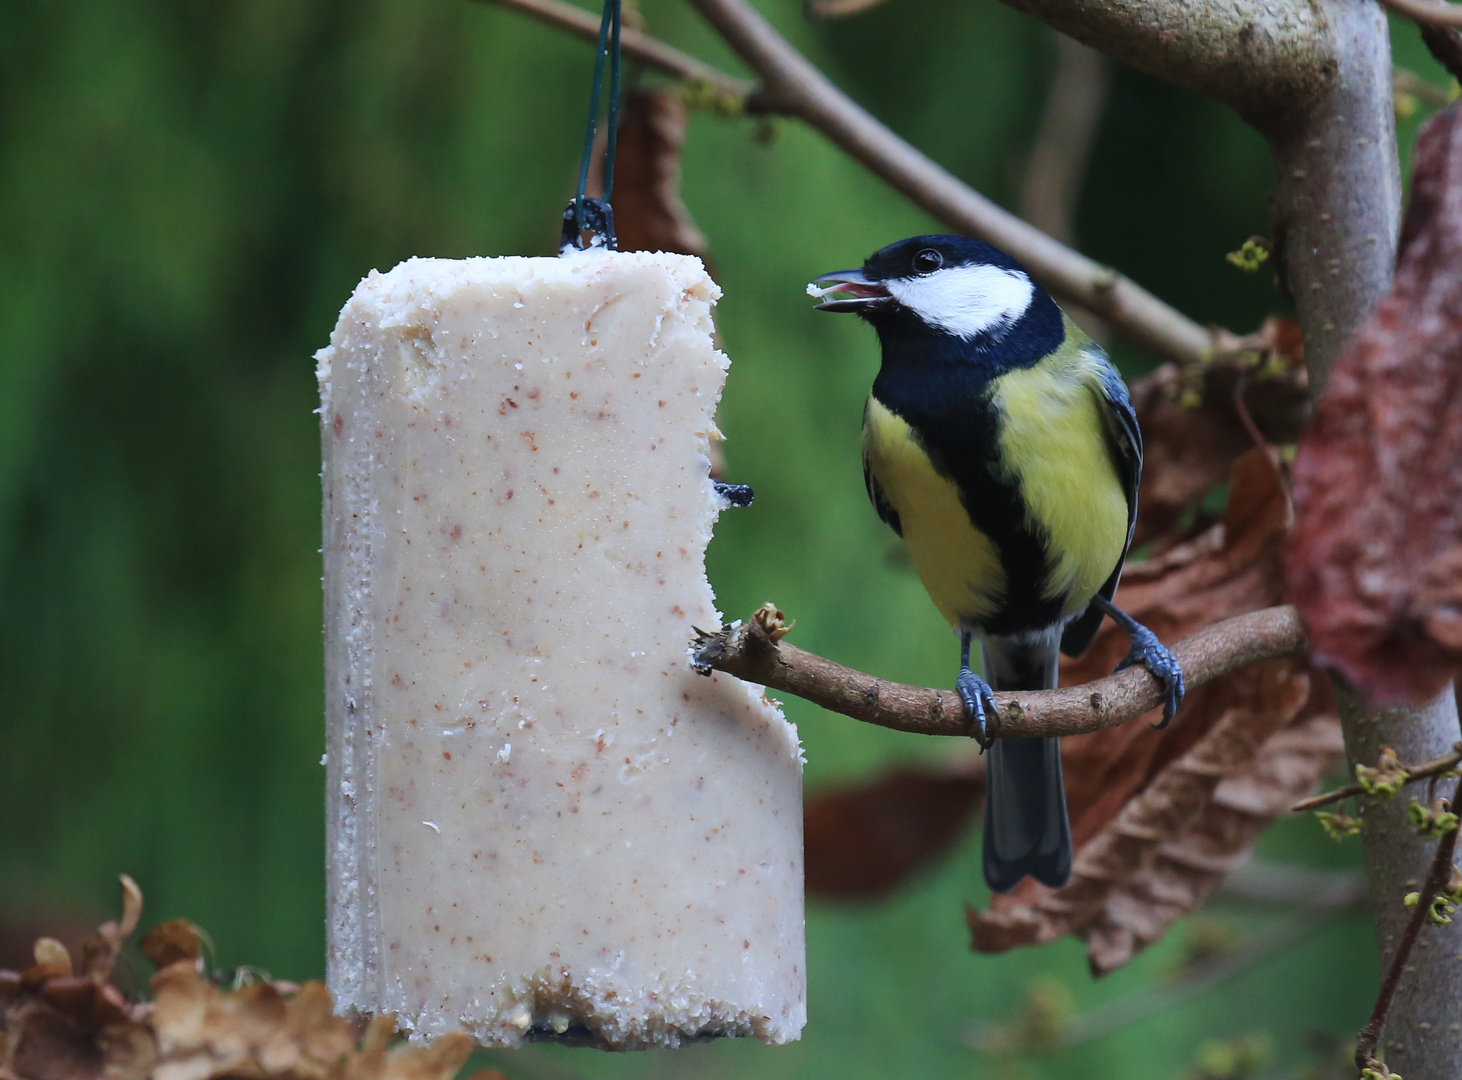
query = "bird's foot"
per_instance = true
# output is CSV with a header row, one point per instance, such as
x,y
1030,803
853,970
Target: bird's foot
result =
x,y
1161,664
979,702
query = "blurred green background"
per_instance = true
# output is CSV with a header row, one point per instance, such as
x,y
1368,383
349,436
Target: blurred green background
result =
x,y
190,190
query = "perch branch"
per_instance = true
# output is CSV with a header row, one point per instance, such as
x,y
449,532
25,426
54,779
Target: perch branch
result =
x,y
1436,879
1427,12
791,84
752,651
635,44
1437,766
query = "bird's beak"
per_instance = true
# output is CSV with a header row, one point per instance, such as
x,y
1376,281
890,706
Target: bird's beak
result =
x,y
860,293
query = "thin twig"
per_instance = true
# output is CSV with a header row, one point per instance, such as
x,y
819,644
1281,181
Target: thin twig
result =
x,y
635,44
1439,875
1195,979
1341,894
827,10
752,651
1075,104
1406,81
1437,766
794,86
1259,881
1431,12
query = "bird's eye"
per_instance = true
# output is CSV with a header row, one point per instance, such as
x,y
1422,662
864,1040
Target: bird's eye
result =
x,y
928,261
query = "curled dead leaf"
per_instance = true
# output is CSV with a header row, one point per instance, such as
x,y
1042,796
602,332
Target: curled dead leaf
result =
x,y
1193,419
1114,896
100,950
52,961
1375,563
60,1025
169,942
56,1025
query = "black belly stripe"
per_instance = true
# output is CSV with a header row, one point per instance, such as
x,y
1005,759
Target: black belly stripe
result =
x,y
948,408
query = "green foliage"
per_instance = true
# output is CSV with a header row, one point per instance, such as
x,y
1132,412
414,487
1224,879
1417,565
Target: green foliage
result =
x,y
1234,1059
1384,779
1432,821
1338,825
1254,254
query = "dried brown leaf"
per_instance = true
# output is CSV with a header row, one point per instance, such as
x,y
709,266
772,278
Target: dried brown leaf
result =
x,y
169,942
258,1033
1184,871
100,950
649,214
1113,871
863,840
1192,427
43,1044
52,961
439,1060
1375,563
1232,568
88,1002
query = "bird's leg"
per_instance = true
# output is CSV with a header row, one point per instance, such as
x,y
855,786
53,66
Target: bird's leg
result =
x,y
975,692
1152,654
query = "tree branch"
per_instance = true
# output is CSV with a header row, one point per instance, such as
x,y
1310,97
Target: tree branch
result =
x,y
1437,766
1437,878
752,651
1075,103
1427,12
634,43
793,85
1262,58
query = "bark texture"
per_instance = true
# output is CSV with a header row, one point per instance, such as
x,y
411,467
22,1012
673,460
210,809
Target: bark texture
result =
x,y
1338,187
1338,201
1421,1037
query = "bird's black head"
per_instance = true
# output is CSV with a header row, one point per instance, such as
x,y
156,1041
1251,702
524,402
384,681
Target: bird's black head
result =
x,y
951,294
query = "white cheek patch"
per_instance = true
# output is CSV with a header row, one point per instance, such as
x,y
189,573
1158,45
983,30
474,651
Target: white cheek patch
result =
x,y
965,300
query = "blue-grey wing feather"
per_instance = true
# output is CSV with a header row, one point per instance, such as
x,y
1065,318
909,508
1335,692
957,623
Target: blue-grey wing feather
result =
x,y
1124,444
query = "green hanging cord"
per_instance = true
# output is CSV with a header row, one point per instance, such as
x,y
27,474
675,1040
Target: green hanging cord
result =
x,y
596,214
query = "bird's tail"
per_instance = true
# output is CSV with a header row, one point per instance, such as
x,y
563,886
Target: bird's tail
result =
x,y
1026,830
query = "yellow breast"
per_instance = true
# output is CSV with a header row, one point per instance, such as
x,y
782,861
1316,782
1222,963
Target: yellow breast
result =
x,y
957,563
1053,444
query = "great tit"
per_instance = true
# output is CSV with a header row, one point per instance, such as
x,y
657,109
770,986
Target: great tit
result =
x,y
1000,443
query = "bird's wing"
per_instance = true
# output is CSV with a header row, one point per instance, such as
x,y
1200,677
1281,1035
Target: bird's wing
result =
x,y
880,501
1124,444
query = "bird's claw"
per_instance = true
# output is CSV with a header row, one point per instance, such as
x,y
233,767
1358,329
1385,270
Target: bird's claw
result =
x,y
979,702
1162,665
